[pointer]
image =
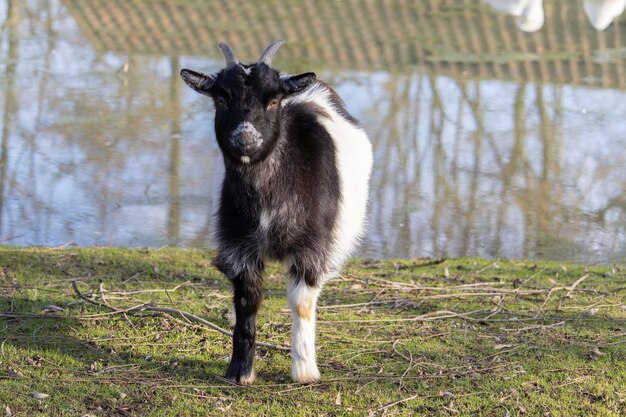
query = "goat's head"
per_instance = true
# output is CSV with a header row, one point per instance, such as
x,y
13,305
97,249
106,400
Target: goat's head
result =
x,y
247,102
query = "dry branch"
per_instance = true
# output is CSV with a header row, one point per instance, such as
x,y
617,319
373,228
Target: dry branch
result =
x,y
432,316
172,312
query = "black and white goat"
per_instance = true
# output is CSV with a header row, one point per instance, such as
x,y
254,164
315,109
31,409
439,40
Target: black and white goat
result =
x,y
297,170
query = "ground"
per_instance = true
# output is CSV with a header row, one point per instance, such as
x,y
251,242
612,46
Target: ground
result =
x,y
395,338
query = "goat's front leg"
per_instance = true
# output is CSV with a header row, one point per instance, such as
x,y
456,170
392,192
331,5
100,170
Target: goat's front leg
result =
x,y
303,303
247,299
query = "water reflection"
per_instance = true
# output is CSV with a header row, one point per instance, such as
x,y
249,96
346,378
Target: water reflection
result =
x,y
488,141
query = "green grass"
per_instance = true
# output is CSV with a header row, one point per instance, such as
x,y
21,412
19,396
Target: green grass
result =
x,y
399,337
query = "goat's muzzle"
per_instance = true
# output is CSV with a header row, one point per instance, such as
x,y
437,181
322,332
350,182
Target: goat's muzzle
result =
x,y
248,143
246,139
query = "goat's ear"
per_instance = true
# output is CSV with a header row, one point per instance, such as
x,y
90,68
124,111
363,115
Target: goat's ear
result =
x,y
198,81
295,83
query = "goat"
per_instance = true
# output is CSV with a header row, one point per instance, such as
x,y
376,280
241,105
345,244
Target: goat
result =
x,y
295,189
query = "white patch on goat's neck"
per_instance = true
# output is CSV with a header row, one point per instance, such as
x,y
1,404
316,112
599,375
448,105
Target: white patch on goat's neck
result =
x,y
246,127
316,93
264,221
245,159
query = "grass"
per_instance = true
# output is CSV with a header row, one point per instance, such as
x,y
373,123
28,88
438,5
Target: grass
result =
x,y
395,338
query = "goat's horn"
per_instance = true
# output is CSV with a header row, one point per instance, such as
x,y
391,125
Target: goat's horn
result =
x,y
269,52
231,59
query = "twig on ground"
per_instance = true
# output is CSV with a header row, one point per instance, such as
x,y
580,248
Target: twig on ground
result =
x,y
572,287
398,352
568,288
493,265
408,369
412,397
572,381
173,312
149,290
535,327
432,316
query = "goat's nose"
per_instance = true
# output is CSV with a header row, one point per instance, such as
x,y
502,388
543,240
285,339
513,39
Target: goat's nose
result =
x,y
246,139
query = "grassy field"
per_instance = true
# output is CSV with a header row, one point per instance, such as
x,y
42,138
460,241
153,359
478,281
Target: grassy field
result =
x,y
398,337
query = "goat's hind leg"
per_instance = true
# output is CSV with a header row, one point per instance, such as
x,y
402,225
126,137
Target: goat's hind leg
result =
x,y
303,303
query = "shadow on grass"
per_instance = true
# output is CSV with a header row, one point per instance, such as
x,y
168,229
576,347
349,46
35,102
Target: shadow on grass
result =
x,y
26,328
50,271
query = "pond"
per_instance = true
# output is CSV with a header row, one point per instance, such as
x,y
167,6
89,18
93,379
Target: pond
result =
x,y
489,140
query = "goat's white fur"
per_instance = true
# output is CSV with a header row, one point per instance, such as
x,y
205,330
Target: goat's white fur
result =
x,y
303,303
354,163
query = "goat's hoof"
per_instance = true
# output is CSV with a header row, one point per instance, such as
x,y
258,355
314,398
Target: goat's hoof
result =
x,y
240,373
302,375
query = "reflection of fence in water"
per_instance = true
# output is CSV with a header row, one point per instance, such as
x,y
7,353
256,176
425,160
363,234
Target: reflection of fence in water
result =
x,y
462,39
450,180
449,36
431,133
62,134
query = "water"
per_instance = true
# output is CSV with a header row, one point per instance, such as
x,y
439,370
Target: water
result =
x,y
489,141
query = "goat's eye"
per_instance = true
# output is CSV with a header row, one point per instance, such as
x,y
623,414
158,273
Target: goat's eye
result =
x,y
272,104
220,102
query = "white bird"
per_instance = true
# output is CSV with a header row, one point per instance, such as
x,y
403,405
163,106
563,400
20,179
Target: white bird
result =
x,y
529,14
602,12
